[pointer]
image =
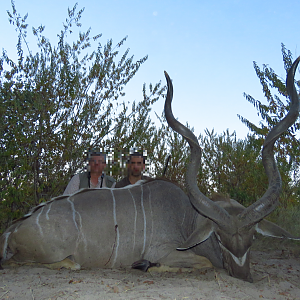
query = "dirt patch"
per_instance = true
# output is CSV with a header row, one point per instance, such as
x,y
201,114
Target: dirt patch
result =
x,y
276,275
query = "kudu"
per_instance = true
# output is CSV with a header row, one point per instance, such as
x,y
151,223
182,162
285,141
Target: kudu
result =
x,y
143,225
230,223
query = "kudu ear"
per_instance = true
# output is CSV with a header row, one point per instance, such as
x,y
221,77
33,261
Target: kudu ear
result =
x,y
270,229
199,235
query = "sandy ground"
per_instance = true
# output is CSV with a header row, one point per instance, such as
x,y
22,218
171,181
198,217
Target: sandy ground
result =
x,y
276,275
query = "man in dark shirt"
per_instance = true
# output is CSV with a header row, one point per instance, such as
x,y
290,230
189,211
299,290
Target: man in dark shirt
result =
x,y
135,166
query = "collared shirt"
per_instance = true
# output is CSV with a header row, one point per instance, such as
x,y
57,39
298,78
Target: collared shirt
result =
x,y
125,181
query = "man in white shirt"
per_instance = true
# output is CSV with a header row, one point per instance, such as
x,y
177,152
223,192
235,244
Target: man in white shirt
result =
x,y
94,178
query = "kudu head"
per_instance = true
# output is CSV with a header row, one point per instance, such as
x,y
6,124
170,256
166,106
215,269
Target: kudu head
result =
x,y
234,225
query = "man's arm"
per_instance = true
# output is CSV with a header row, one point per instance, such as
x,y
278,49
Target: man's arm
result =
x,y
73,185
110,182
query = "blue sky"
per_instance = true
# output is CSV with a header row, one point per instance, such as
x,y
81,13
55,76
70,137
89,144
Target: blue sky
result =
x,y
207,47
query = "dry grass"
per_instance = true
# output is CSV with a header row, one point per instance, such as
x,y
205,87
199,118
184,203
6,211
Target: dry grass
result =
x,y
289,219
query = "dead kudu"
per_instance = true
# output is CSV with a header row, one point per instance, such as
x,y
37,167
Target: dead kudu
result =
x,y
106,228
145,225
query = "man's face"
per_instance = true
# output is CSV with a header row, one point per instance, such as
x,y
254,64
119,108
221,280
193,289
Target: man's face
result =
x,y
136,166
97,164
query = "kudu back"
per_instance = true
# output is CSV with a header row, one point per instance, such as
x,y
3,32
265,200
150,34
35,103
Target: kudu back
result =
x,y
139,225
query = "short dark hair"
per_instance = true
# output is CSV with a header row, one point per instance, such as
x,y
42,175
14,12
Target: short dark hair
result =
x,y
138,154
96,153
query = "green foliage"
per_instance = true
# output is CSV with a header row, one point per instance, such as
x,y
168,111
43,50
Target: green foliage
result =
x,y
232,167
229,166
59,102
170,143
286,148
287,217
